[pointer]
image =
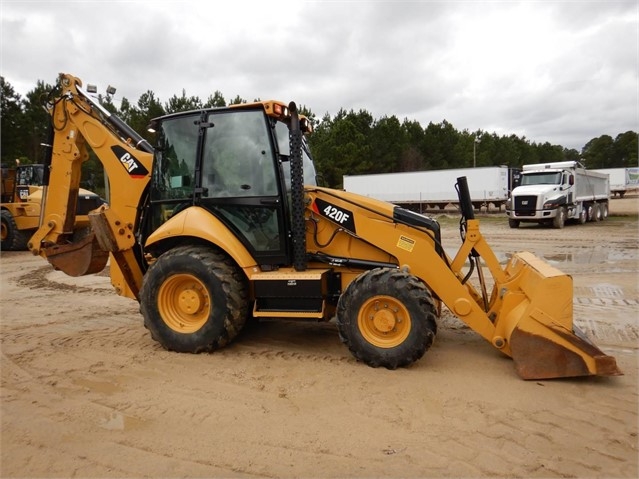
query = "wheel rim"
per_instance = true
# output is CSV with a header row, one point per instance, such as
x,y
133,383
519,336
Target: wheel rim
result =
x,y
384,321
184,303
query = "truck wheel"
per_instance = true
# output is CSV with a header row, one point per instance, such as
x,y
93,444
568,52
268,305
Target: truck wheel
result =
x,y
387,318
513,223
583,216
194,299
603,208
560,220
597,212
13,239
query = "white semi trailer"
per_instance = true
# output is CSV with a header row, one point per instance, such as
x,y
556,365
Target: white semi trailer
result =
x,y
433,189
553,193
622,180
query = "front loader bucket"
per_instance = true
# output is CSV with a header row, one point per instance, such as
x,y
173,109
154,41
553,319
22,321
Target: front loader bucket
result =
x,y
536,324
78,259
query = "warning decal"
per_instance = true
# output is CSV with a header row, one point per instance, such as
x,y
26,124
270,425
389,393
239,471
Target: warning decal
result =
x,y
406,243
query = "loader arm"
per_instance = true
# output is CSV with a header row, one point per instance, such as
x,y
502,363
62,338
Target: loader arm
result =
x,y
78,123
528,313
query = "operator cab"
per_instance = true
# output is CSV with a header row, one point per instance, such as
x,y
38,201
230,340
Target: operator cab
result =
x,y
233,162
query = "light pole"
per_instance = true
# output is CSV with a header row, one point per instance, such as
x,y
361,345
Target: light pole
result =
x,y
477,140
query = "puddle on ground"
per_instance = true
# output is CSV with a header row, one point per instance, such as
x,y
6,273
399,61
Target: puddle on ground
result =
x,y
103,387
591,257
120,422
598,256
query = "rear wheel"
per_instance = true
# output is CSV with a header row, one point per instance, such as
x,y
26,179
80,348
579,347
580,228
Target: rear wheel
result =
x,y
194,299
560,219
603,207
597,212
583,216
12,238
387,318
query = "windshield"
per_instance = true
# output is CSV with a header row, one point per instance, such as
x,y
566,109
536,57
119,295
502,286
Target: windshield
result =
x,y
550,178
307,163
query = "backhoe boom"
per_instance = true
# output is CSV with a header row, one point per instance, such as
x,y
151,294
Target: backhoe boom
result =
x,y
80,122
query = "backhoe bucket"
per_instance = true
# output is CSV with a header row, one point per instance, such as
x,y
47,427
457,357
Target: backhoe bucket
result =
x,y
536,324
78,259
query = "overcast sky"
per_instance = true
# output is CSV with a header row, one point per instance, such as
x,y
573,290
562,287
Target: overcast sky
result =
x,y
562,72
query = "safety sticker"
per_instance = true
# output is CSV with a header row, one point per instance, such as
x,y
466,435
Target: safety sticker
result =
x,y
406,243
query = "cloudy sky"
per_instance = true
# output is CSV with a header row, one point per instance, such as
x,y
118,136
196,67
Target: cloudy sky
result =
x,y
557,71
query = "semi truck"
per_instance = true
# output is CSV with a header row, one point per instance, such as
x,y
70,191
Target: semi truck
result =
x,y
554,193
427,190
622,180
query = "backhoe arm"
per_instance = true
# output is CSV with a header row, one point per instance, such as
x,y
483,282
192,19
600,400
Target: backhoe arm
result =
x,y
79,123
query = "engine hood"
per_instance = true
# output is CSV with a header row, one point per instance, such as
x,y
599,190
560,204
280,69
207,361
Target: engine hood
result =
x,y
536,190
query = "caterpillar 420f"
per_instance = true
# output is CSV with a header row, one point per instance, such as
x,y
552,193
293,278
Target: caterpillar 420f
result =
x,y
220,220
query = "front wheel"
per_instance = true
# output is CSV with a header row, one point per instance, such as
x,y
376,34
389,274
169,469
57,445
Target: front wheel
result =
x,y
513,223
194,299
387,318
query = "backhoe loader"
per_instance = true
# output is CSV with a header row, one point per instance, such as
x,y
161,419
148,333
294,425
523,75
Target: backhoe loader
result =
x,y
21,200
219,219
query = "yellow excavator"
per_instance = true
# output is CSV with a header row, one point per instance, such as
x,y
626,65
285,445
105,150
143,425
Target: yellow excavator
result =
x,y
221,219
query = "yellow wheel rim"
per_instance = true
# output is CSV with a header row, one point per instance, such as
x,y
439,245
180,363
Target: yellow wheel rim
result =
x,y
384,321
184,303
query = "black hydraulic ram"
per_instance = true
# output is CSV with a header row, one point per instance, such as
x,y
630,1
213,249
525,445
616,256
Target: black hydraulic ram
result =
x,y
125,130
468,213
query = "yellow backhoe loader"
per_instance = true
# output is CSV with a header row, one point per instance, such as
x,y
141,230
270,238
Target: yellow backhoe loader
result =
x,y
220,219
21,201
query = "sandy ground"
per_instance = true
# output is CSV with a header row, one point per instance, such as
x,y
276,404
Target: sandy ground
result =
x,y
85,392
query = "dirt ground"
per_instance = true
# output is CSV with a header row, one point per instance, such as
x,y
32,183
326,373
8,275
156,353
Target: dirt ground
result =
x,y
86,392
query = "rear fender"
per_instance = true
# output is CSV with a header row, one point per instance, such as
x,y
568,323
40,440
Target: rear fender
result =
x,y
196,222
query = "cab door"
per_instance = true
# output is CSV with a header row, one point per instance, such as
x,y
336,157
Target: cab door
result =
x,y
241,182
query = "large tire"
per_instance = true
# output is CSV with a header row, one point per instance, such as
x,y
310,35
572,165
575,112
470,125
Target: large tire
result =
x,y
387,318
513,223
560,219
583,216
603,209
194,299
13,239
597,212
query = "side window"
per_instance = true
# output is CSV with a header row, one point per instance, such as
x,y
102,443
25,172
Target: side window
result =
x,y
238,158
174,168
307,163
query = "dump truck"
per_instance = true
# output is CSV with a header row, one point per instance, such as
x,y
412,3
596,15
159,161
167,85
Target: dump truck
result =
x,y
218,220
554,193
21,204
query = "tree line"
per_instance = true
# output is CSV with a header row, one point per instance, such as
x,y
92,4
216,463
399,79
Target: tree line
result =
x,y
348,143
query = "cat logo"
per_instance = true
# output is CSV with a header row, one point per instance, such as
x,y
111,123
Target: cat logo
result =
x,y
130,162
